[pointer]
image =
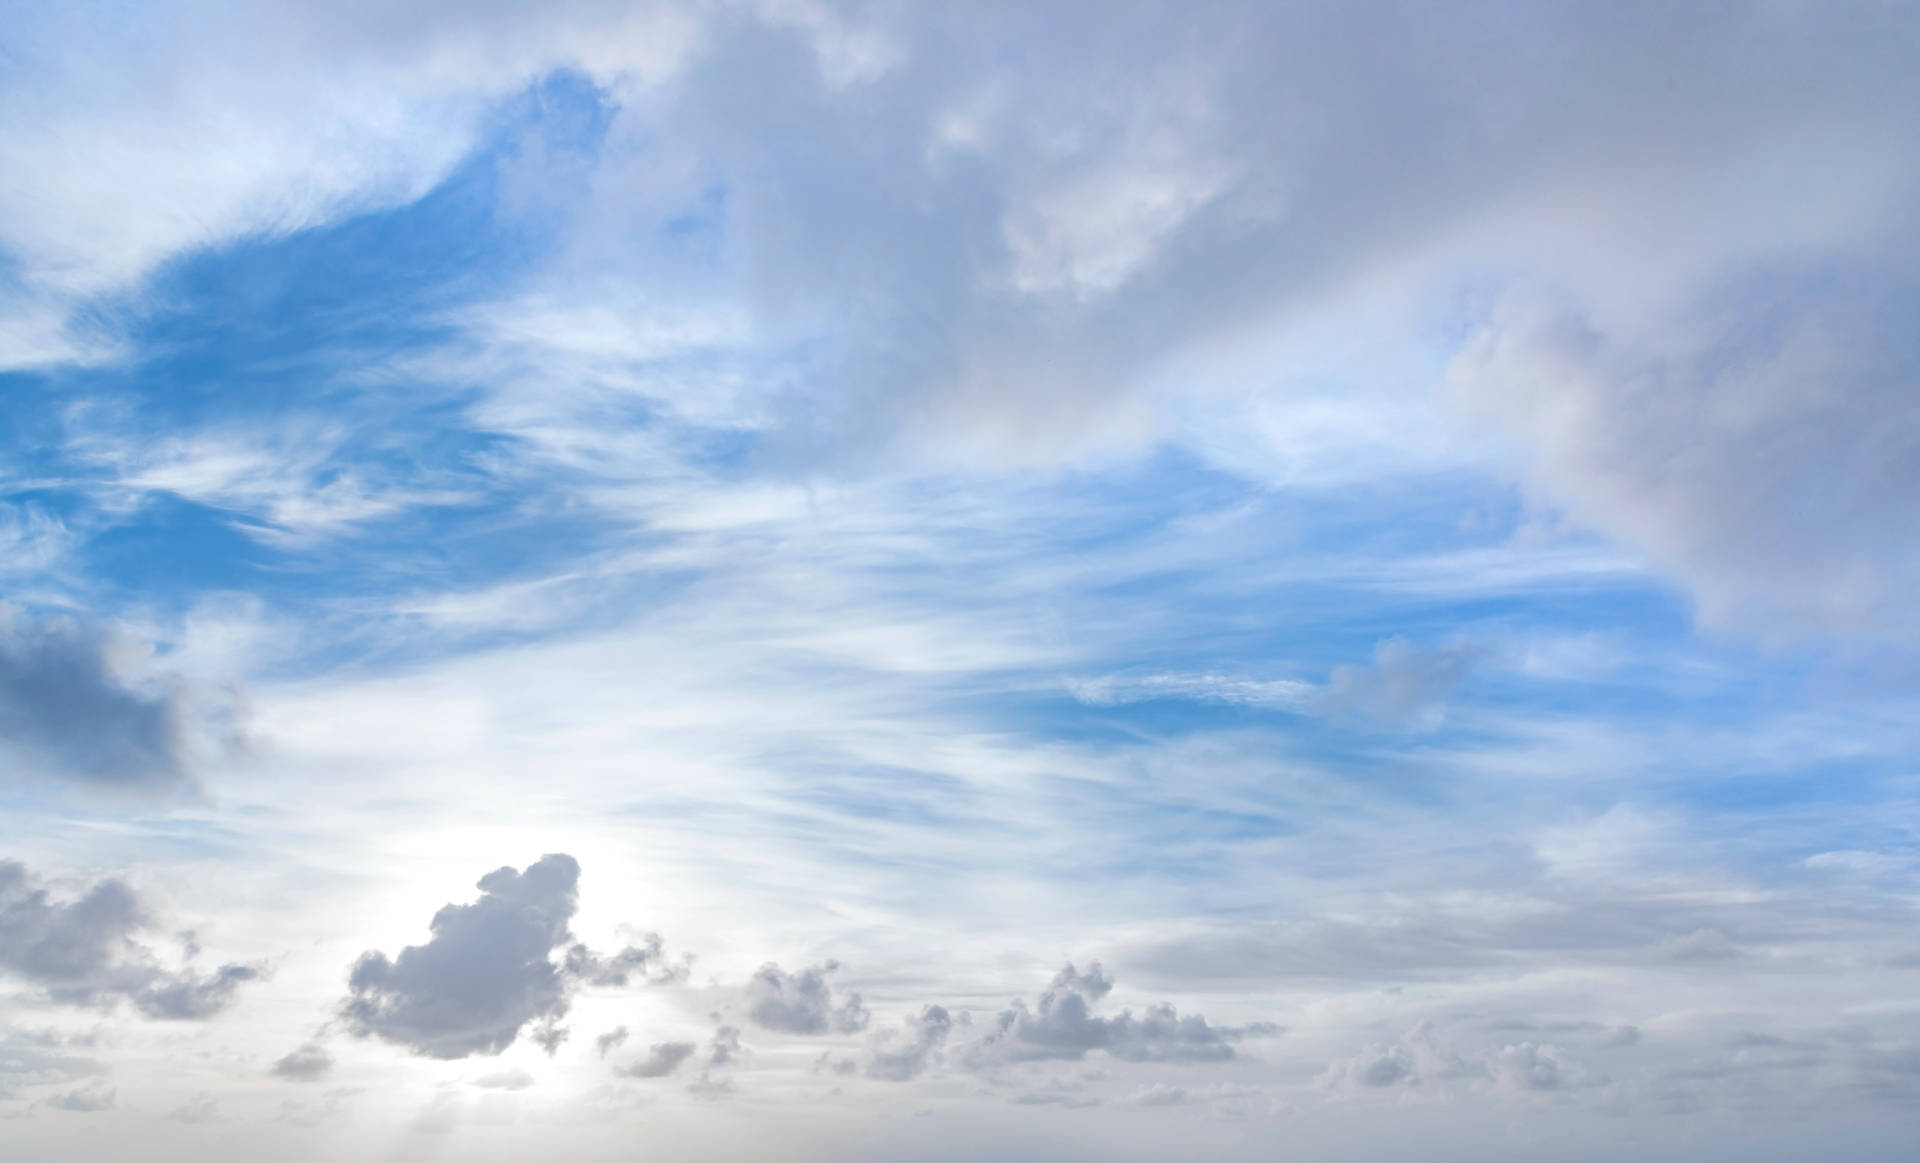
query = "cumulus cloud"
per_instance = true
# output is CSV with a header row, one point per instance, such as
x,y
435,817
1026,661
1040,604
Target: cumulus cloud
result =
x,y
899,1056
84,951
803,1002
307,1063
1063,1026
646,963
73,704
488,972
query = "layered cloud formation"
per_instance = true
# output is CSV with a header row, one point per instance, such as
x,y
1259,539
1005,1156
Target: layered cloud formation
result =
x,y
84,951
1386,525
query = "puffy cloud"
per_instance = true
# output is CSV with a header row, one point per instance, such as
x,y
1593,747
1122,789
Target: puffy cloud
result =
x,y
803,1002
307,1063
646,962
488,971
84,951
1062,1025
74,704
904,1055
663,1058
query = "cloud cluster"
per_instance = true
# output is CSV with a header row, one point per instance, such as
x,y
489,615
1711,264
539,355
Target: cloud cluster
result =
x,y
1062,1026
84,951
488,971
1421,1058
803,1002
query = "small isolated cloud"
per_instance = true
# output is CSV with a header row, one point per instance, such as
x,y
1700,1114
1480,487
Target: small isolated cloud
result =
x,y
725,1047
707,1086
488,971
505,1080
1063,1026
201,1108
74,705
84,952
663,1058
1406,685
308,1063
803,1002
612,1039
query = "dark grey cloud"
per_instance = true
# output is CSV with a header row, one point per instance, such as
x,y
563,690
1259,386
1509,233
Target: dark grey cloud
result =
x,y
663,1058
69,710
307,1063
489,971
1063,1026
85,951
803,1002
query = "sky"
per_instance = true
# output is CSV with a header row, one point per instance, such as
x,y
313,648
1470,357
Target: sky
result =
x,y
1034,582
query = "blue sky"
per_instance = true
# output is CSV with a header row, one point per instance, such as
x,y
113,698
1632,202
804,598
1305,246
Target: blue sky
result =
x,y
1026,582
